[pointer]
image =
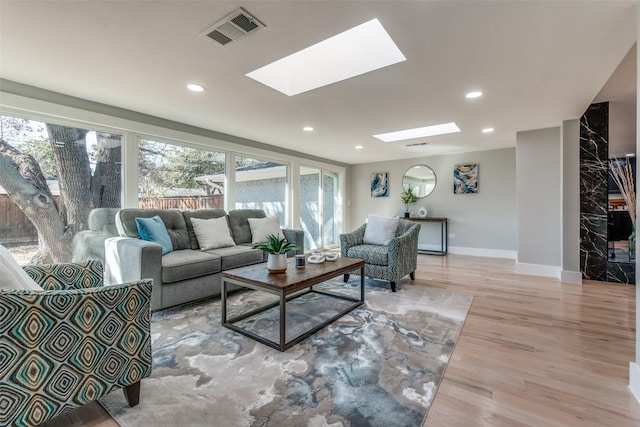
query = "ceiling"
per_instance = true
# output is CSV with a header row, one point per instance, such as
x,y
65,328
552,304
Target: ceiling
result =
x,y
538,63
621,93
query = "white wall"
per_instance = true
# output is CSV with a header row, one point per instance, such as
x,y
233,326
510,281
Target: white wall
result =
x,y
483,223
538,195
571,202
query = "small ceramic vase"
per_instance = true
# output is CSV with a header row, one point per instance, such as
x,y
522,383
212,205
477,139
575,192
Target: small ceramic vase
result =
x,y
277,263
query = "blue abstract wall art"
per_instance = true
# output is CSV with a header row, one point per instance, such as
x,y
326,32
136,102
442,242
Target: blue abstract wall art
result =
x,y
380,184
465,178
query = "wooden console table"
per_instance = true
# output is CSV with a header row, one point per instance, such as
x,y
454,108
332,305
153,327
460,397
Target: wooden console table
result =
x,y
444,235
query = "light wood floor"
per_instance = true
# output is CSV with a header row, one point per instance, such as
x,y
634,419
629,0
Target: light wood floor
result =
x,y
533,351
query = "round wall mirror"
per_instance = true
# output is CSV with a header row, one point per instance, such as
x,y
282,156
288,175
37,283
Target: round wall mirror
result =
x,y
421,178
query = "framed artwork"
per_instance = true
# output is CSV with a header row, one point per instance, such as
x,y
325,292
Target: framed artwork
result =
x,y
380,184
465,178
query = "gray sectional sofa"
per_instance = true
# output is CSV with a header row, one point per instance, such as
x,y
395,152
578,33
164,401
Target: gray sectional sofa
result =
x,y
187,273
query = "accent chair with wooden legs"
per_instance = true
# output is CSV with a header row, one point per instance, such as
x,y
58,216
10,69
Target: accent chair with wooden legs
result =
x,y
70,342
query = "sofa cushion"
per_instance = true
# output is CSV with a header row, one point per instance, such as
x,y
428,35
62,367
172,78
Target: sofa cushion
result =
x,y
187,263
172,218
212,233
262,228
202,214
380,229
153,230
371,254
237,256
238,221
13,276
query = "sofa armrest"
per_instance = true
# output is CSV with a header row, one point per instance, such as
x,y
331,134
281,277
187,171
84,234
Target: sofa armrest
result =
x,y
403,252
129,260
81,343
294,236
354,238
67,275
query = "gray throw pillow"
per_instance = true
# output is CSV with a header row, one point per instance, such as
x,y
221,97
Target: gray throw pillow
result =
x,y
380,230
212,233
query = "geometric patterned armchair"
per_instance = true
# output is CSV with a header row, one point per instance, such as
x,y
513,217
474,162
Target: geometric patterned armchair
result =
x,y
72,342
385,262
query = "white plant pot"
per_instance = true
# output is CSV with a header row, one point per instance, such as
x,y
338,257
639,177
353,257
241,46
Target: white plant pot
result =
x,y
277,263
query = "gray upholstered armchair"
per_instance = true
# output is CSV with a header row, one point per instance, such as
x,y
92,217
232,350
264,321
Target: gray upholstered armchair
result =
x,y
386,262
70,343
89,244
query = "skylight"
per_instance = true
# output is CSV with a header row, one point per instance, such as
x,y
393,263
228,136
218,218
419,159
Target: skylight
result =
x,y
434,130
359,50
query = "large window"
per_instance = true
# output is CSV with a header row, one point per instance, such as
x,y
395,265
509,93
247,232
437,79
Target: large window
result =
x,y
261,185
52,177
176,177
73,170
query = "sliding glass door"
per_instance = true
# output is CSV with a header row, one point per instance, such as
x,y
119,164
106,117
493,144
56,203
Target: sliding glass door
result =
x,y
319,208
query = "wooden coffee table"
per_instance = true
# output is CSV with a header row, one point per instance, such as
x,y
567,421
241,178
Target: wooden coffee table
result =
x,y
294,284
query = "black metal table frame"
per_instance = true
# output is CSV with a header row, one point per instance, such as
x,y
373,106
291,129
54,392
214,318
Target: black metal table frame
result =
x,y
283,345
444,236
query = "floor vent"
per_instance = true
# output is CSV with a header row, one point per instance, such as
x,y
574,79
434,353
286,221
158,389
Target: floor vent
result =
x,y
233,27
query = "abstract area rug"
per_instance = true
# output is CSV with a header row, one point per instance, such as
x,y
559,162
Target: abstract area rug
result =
x,y
379,365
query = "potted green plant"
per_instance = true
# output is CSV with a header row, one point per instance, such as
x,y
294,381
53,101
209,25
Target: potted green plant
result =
x,y
277,249
408,197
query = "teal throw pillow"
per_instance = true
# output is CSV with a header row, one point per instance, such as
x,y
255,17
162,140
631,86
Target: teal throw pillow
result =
x,y
153,230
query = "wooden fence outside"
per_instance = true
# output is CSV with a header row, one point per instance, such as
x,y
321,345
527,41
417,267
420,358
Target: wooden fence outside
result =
x,y
14,224
182,203
15,227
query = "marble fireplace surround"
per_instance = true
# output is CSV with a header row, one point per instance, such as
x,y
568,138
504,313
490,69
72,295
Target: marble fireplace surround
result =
x,y
594,193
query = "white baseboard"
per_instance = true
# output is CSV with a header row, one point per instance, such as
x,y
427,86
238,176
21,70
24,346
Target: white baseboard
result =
x,y
491,253
460,250
634,380
538,270
567,276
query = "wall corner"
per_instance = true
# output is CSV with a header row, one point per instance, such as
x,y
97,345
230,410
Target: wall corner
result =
x,y
634,380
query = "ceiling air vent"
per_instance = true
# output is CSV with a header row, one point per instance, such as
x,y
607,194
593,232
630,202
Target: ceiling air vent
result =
x,y
233,27
417,144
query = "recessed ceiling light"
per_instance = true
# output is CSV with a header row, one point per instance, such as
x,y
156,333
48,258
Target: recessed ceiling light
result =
x,y
474,94
194,87
487,130
359,147
307,129
361,49
401,135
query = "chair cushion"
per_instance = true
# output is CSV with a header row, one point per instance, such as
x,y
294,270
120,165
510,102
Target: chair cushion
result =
x,y
237,256
153,230
371,254
261,228
212,233
187,264
380,229
13,276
